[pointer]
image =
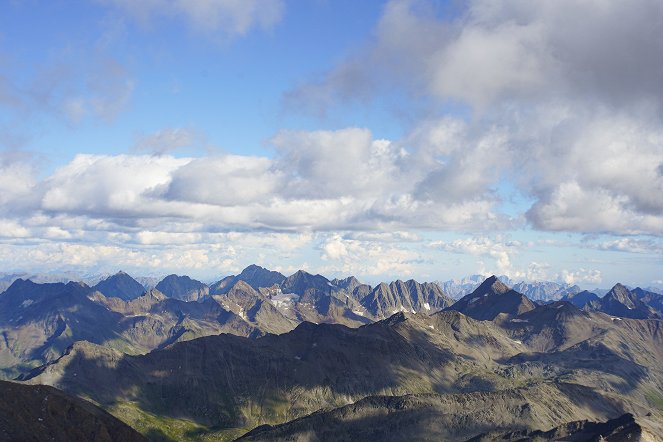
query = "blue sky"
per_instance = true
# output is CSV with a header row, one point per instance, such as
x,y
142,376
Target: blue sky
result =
x,y
386,139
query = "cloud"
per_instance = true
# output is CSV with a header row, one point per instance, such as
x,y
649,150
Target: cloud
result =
x,y
231,17
231,180
580,276
631,245
350,256
499,250
566,110
103,185
165,140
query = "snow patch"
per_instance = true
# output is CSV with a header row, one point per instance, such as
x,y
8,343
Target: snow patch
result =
x,y
519,320
357,312
26,303
426,306
432,327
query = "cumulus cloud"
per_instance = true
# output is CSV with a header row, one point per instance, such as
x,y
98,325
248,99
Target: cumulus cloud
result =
x,y
580,276
372,258
232,17
631,245
165,140
566,109
499,250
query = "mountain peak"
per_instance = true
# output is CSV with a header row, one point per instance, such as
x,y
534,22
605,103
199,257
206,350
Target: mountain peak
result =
x,y
494,284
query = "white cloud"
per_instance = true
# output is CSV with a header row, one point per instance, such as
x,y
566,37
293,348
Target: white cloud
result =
x,y
231,180
499,250
349,256
580,276
631,245
231,17
101,185
557,108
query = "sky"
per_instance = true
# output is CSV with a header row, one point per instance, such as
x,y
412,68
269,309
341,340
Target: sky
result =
x,y
384,139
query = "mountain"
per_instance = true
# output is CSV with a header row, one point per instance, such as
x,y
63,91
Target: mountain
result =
x,y
40,412
316,299
440,376
182,288
555,327
621,302
255,308
120,285
580,299
228,381
652,299
457,288
385,300
39,321
492,298
440,417
623,428
545,291
254,275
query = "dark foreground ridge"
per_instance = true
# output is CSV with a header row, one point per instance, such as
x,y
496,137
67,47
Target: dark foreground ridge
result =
x,y
43,413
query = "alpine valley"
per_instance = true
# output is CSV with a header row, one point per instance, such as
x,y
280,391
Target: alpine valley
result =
x,y
262,356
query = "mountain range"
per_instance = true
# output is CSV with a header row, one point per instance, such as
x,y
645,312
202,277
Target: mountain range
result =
x,y
263,356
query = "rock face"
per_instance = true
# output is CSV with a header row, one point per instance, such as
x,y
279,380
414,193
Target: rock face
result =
x,y
255,308
183,288
120,286
40,412
39,321
491,299
581,299
385,300
622,428
254,275
621,302
443,376
438,417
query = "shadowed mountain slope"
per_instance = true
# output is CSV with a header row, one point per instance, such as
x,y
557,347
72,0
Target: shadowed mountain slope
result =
x,y
40,413
182,288
120,285
620,301
226,382
442,417
491,299
255,276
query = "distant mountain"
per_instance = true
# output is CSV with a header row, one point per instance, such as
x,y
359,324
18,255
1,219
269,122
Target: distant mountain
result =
x,y
580,299
39,321
622,302
40,412
255,308
182,288
492,298
554,327
254,275
545,291
443,376
120,285
540,291
652,299
457,288
410,296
